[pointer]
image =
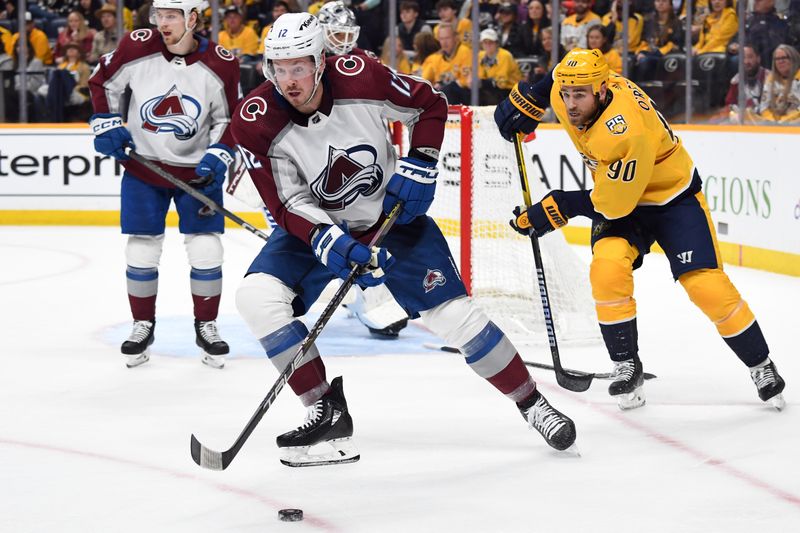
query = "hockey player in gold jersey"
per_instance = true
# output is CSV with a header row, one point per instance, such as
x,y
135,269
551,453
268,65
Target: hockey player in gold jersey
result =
x,y
646,190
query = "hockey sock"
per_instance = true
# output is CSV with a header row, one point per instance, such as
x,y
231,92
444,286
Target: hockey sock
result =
x,y
206,285
308,381
492,356
622,340
749,345
142,289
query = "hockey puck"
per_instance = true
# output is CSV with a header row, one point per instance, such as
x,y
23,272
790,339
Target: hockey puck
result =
x,y
290,515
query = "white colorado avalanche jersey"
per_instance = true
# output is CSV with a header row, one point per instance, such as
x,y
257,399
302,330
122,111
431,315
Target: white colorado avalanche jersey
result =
x,y
332,167
179,105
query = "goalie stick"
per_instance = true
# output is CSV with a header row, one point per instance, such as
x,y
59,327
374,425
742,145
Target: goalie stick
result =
x,y
213,460
598,375
194,193
567,379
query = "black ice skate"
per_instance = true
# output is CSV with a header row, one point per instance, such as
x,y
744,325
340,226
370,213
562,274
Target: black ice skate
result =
x,y
628,384
327,423
769,383
557,429
389,332
136,348
214,348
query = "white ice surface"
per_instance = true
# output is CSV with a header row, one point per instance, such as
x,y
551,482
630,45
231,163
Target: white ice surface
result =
x,y
89,445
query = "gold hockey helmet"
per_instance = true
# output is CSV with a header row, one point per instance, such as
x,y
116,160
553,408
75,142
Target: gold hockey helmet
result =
x,y
582,67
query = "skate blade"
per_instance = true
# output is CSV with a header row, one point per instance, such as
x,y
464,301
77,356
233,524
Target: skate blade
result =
x,y
777,402
572,451
632,400
137,360
213,361
337,451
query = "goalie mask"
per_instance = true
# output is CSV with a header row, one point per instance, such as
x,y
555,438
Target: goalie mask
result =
x,y
292,36
339,28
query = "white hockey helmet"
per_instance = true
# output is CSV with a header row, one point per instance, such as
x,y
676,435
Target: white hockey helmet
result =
x,y
294,35
186,6
339,27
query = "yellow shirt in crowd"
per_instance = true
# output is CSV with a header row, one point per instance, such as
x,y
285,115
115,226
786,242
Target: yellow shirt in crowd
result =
x,y
503,69
245,43
463,30
440,68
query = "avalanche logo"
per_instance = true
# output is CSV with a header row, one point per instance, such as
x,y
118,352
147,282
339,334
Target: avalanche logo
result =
x,y
432,279
173,112
350,173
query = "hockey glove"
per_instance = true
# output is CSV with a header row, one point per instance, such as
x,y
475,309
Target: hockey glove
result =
x,y
543,217
520,112
340,252
414,184
212,168
110,136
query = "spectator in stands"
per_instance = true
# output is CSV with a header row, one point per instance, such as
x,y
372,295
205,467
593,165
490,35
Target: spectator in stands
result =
x,y
127,15
75,32
497,69
68,86
718,28
141,17
575,27
89,9
238,37
764,29
662,34
369,17
532,27
278,8
448,14
781,101
546,58
508,31
106,39
598,38
410,24
613,21
755,77
450,69
402,64
425,46
39,45
10,11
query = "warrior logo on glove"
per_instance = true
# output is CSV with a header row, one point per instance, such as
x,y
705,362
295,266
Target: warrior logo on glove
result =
x,y
350,173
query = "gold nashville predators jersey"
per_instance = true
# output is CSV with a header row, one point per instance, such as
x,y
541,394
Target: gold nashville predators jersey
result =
x,y
634,157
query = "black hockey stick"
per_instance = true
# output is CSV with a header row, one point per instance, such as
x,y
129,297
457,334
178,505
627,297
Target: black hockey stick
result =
x,y
597,375
194,193
567,379
208,458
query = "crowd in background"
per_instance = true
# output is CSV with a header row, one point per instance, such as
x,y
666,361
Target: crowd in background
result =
x,y
434,41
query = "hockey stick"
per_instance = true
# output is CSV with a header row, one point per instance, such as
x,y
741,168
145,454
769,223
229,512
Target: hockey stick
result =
x,y
567,379
598,375
194,193
208,458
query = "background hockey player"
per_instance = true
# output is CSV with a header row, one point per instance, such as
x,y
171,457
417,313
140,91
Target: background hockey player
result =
x,y
315,142
646,190
183,89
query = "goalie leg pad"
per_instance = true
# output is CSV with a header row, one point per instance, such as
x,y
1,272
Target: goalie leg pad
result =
x,y
713,292
486,349
265,304
611,276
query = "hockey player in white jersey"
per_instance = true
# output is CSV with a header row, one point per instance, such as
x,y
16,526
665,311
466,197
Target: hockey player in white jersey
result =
x,y
313,137
183,89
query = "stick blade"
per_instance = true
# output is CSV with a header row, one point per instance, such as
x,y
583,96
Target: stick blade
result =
x,y
574,382
206,457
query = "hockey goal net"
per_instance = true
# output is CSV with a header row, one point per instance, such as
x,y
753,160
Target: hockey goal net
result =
x,y
477,190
